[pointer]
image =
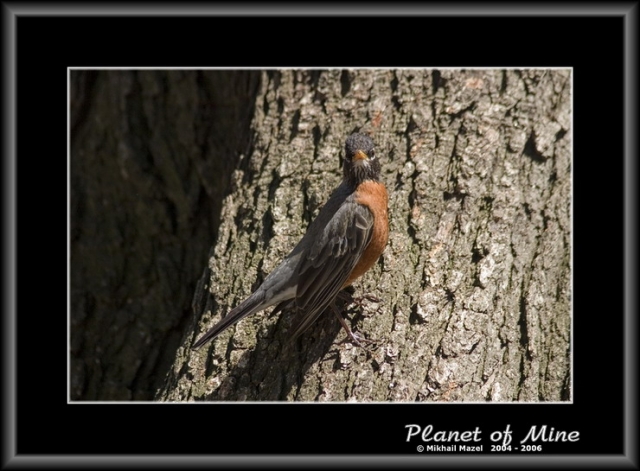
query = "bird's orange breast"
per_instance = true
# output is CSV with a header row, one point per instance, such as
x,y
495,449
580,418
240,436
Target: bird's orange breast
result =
x,y
374,196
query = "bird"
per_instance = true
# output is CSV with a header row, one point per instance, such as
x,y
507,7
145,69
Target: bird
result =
x,y
345,240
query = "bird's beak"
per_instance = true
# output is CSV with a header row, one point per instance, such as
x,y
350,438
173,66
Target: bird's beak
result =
x,y
359,155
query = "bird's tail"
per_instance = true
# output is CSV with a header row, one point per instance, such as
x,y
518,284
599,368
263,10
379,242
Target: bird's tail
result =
x,y
251,305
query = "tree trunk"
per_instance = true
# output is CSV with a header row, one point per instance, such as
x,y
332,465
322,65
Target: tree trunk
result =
x,y
474,283
151,157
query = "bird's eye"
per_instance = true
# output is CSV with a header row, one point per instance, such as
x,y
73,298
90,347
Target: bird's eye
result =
x,y
372,153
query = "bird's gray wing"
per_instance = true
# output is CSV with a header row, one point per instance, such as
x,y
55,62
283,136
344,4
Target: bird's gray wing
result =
x,y
330,260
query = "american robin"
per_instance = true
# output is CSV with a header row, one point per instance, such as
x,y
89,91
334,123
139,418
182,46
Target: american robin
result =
x,y
343,242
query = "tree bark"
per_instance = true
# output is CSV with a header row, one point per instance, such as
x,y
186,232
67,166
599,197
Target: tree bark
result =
x,y
151,157
475,283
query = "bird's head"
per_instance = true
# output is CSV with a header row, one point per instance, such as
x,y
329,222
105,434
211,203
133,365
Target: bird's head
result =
x,y
360,161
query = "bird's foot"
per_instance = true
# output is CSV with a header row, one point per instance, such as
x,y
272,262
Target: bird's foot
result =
x,y
355,337
349,298
359,340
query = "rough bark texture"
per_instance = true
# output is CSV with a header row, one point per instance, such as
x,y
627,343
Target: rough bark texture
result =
x,y
167,166
474,283
151,156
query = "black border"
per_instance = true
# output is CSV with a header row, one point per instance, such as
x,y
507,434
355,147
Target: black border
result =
x,y
47,44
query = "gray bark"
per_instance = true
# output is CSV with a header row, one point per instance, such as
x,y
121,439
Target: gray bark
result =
x,y
475,281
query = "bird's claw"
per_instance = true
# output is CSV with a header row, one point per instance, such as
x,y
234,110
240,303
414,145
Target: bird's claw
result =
x,y
358,340
354,337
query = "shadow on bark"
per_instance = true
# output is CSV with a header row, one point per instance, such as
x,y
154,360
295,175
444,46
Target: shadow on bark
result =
x,y
278,380
152,153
